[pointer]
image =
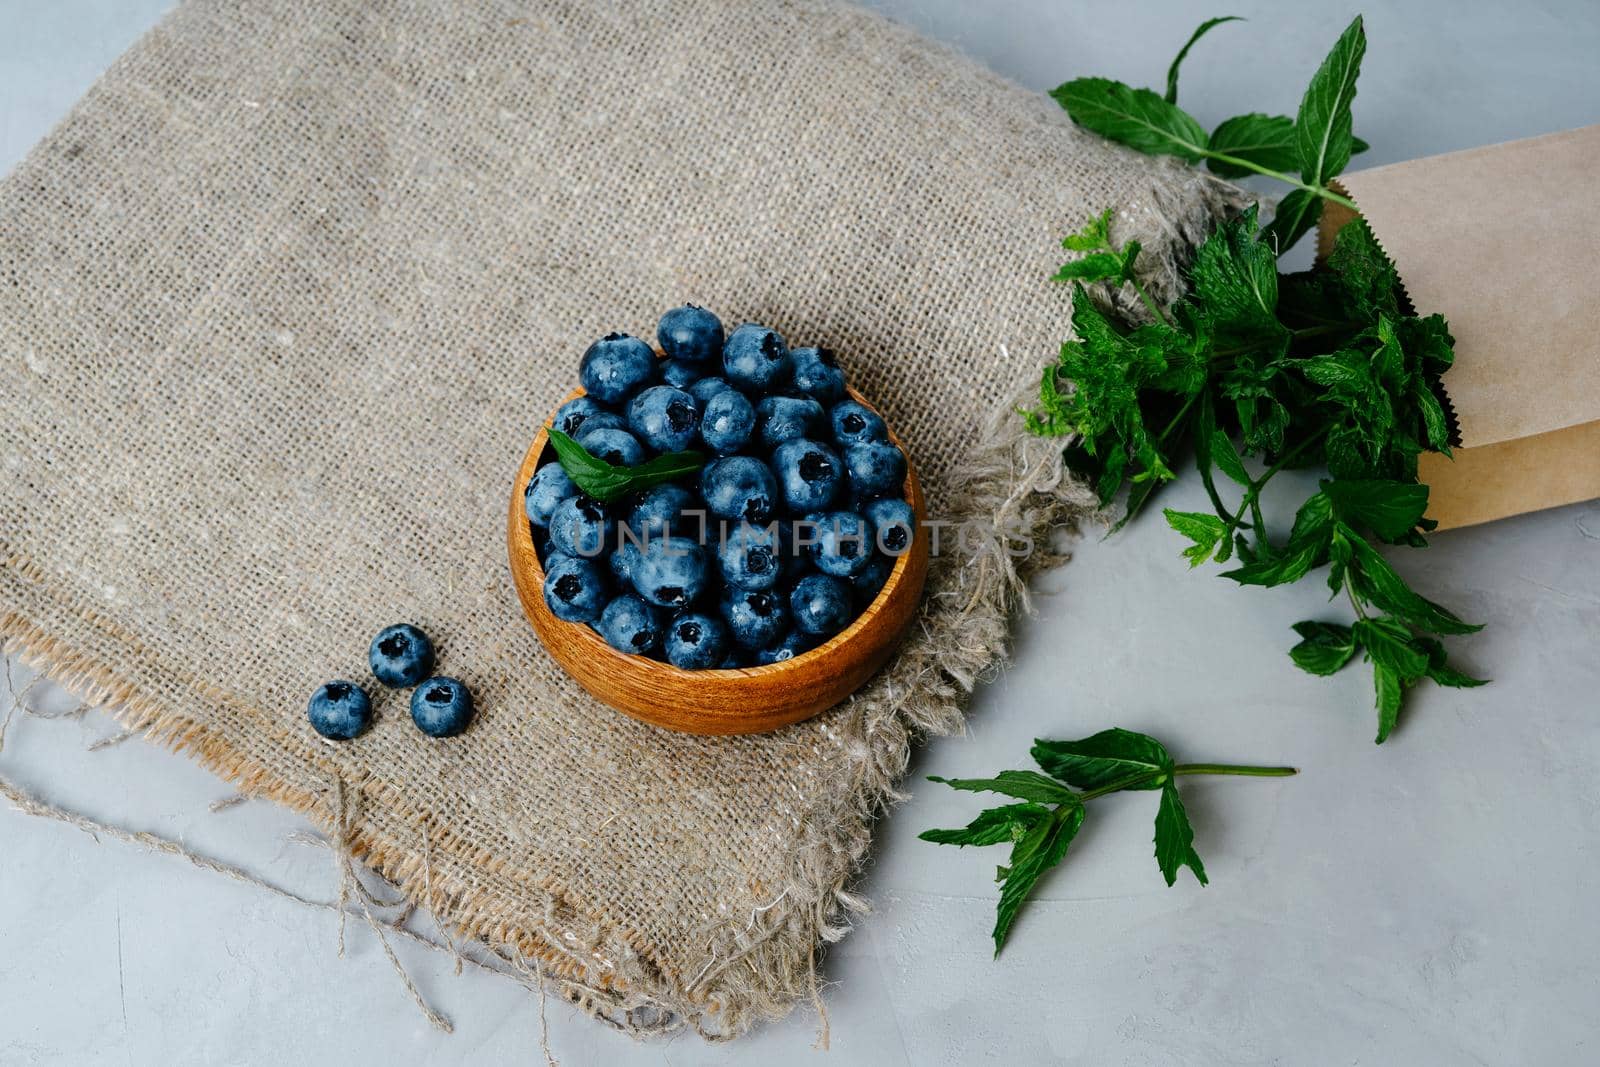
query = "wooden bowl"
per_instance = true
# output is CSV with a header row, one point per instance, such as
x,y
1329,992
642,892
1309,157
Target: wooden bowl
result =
x,y
745,700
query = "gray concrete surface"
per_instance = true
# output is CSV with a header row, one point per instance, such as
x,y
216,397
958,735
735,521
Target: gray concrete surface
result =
x,y
1427,902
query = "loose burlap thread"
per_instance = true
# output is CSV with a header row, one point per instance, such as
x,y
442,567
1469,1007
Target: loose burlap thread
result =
x,y
282,302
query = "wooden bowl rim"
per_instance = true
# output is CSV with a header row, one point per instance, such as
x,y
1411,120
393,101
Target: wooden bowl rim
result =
x,y
521,537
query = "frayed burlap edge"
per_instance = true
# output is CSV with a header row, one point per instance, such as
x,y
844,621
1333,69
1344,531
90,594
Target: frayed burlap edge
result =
x,y
1015,487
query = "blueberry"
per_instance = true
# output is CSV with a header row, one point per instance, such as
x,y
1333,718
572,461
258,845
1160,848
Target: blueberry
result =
x,y
870,581
548,487
739,487
817,375
793,644
617,447
615,367
785,418
664,418
731,662
575,412
728,422
755,358
630,625
690,333
659,511
574,588
894,524
841,543
581,526
756,618
670,571
400,655
855,424
339,710
705,388
621,561
696,641
876,468
748,557
809,475
441,707
680,373
820,605
600,420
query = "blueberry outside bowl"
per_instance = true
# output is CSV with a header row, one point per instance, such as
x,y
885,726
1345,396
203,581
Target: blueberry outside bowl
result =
x,y
743,700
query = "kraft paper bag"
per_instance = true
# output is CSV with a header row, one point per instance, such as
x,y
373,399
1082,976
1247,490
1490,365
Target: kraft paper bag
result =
x,y
1503,241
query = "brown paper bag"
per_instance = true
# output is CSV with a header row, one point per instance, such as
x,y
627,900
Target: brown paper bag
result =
x,y
1503,242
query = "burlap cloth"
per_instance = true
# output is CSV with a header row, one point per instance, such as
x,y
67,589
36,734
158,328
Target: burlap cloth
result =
x,y
283,301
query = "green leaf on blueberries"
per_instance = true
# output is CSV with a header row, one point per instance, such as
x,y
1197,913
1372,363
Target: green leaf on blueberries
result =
x,y
1265,140
1323,127
1203,528
609,481
1390,509
1041,848
1324,647
1205,27
1024,785
1175,838
1137,118
1105,758
1006,823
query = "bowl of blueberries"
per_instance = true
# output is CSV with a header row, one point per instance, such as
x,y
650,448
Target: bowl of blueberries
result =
x,y
717,534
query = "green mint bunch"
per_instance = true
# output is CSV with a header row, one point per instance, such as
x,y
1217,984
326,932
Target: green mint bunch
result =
x,y
1052,807
1328,368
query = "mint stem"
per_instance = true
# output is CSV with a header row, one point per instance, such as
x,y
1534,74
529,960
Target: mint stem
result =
x,y
1233,768
1315,190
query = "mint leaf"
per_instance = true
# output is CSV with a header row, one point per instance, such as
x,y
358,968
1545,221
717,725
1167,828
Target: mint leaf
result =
x,y
1105,758
1204,529
1265,140
1387,684
1097,267
1324,647
1441,672
1172,72
1175,838
1024,785
1007,823
1390,509
1388,642
1226,457
1390,592
1137,118
1094,237
1041,848
1323,139
607,481
1235,279
1297,212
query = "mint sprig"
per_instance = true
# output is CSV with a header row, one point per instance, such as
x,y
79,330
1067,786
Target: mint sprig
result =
x,y
1318,142
1040,830
607,481
1323,368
